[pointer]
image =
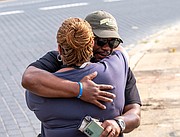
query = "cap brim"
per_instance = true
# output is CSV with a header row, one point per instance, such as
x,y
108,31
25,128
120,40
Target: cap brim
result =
x,y
107,34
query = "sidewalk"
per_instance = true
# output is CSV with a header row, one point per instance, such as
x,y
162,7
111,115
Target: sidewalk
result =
x,y
156,65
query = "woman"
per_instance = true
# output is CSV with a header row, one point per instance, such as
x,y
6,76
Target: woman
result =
x,y
62,117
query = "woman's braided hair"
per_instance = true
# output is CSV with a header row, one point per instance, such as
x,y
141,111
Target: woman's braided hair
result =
x,y
75,37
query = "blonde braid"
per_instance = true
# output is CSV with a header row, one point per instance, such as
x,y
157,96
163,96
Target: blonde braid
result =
x,y
75,37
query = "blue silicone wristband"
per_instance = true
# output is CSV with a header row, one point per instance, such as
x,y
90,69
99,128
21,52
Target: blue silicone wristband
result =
x,y
80,89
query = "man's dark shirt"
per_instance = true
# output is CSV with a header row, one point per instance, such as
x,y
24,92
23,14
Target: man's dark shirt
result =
x,y
50,63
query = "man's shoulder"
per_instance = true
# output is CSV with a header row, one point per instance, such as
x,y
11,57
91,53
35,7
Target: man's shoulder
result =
x,y
53,52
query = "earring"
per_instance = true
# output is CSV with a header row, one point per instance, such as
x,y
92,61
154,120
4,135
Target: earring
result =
x,y
59,58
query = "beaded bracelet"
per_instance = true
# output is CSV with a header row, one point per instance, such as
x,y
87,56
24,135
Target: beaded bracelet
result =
x,y
80,89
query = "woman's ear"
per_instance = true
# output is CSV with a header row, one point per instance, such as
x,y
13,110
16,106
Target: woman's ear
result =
x,y
93,43
59,49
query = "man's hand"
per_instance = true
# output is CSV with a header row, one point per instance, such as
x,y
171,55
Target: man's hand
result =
x,y
111,129
93,93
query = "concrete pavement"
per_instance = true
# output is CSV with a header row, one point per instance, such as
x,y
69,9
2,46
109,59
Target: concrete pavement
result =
x,y
156,64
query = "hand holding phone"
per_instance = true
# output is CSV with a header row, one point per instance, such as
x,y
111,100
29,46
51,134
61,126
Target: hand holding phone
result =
x,y
91,127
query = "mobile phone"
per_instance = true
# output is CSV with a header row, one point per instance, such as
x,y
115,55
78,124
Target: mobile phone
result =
x,y
91,127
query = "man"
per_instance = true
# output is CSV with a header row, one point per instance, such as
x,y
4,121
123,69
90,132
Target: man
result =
x,y
106,36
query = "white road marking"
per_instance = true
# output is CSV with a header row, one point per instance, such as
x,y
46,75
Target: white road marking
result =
x,y
11,12
112,0
63,6
22,3
4,1
135,27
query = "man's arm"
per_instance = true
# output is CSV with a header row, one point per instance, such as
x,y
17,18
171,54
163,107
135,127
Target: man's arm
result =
x,y
132,110
131,113
45,84
131,117
131,92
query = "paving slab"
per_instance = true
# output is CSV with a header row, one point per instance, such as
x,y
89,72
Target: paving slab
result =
x,y
156,64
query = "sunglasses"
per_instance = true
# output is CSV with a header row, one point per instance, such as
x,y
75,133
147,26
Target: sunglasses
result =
x,y
113,43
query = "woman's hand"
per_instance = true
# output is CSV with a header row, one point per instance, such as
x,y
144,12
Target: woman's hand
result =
x,y
94,93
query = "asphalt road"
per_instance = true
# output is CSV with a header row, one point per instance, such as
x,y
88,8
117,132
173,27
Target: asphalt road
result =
x,y
136,18
28,30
